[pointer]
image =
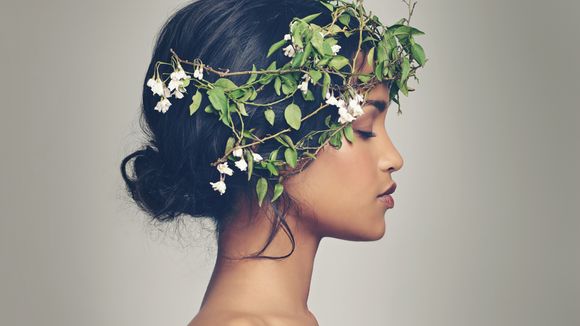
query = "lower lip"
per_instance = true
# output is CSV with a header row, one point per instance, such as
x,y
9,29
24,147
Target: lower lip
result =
x,y
387,200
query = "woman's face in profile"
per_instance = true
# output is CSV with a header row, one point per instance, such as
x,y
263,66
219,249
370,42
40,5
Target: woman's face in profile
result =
x,y
338,191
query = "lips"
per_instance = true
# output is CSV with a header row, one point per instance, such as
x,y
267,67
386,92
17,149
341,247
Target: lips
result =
x,y
390,190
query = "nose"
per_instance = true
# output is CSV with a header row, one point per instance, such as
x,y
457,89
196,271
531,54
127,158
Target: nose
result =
x,y
390,159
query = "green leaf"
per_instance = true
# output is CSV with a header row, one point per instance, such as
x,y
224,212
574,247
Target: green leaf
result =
x,y
271,168
327,120
218,98
226,84
230,144
252,76
209,108
381,53
254,94
281,140
364,78
261,189
379,70
338,62
275,47
324,61
402,87
288,140
277,85
327,5
297,59
307,52
336,140
292,114
291,157
315,76
308,96
278,189
273,155
318,42
344,19
298,30
418,53
290,81
310,155
250,161
371,56
325,84
405,68
286,89
272,65
310,18
196,101
348,133
242,108
270,116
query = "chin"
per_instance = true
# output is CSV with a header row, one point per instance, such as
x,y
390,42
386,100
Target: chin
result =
x,y
377,233
372,232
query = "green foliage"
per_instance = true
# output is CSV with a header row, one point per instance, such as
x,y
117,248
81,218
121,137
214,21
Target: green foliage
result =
x,y
278,189
261,189
394,53
292,114
270,116
195,103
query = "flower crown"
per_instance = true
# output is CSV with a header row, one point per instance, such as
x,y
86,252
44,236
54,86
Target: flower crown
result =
x,y
314,55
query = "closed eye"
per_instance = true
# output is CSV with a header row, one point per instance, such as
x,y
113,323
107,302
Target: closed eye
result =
x,y
366,134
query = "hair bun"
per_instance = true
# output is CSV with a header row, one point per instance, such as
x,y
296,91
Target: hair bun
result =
x,y
157,191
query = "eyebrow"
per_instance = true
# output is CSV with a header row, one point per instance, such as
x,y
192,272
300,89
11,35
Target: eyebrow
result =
x,y
379,104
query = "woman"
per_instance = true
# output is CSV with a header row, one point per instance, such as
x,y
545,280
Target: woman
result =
x,y
262,275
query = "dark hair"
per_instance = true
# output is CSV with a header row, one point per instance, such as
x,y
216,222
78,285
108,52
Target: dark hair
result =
x,y
171,174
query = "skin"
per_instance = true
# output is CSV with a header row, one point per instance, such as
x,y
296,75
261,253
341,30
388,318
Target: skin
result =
x,y
337,194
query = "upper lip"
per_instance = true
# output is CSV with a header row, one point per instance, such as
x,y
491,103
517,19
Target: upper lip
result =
x,y
390,190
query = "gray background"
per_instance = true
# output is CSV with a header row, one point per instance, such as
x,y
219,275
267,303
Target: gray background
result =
x,y
485,230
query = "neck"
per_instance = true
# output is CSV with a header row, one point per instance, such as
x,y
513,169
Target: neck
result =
x,y
278,286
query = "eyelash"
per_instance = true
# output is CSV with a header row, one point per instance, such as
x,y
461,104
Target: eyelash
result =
x,y
366,134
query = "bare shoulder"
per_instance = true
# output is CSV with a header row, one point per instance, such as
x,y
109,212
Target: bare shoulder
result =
x,y
227,319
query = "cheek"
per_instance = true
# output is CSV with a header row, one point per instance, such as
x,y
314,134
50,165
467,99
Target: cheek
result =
x,y
339,182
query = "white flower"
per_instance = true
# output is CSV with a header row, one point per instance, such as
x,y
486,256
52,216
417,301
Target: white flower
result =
x,y
177,82
304,85
174,84
354,107
287,37
335,48
178,93
156,86
223,168
238,152
179,74
341,104
257,157
345,116
219,186
330,99
359,98
198,73
289,51
163,105
241,164
166,92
